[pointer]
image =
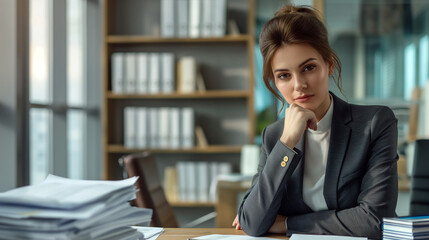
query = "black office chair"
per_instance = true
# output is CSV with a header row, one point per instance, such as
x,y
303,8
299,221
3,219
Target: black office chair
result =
x,y
419,204
151,193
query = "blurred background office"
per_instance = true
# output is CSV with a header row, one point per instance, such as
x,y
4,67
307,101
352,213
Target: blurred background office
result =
x,y
54,55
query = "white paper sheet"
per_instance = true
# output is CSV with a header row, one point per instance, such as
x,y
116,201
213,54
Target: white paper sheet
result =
x,y
18,212
150,233
58,192
323,237
231,237
84,212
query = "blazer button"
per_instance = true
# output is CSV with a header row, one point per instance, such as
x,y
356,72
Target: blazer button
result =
x,y
283,164
286,158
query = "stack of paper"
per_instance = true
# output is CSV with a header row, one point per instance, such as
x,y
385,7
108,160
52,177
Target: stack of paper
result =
x,y
61,208
406,228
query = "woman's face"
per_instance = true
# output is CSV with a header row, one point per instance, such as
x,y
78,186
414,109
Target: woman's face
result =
x,y
302,77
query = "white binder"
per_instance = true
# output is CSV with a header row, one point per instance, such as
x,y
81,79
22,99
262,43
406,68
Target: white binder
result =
x,y
142,73
130,67
117,73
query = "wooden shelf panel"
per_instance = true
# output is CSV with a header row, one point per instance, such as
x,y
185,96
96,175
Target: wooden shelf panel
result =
x,y
210,149
123,39
206,94
192,204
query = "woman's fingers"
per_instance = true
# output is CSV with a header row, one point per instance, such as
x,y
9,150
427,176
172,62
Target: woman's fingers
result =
x,y
312,124
297,120
236,223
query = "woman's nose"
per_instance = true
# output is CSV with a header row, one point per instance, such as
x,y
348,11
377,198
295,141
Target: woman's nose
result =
x,y
300,83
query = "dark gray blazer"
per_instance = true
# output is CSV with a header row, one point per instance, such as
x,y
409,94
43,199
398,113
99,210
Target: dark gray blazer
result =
x,y
361,182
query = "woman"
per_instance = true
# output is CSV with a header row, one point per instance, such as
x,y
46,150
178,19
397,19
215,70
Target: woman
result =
x,y
328,167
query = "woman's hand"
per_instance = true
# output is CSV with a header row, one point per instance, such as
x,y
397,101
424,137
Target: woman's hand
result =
x,y
236,224
297,120
279,225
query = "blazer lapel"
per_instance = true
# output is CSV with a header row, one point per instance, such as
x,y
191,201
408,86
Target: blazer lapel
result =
x,y
340,134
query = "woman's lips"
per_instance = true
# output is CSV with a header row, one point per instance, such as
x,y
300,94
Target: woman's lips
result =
x,y
303,99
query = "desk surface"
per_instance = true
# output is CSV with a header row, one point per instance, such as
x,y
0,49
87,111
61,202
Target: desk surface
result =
x,y
185,233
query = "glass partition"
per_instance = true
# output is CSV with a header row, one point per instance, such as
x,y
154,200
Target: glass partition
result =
x,y
383,47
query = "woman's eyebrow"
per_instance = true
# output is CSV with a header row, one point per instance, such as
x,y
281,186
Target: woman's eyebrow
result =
x,y
300,65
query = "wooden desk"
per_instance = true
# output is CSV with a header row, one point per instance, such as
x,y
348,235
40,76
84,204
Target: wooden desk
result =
x,y
185,233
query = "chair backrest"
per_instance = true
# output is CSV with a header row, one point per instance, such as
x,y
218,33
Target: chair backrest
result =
x,y
419,204
151,193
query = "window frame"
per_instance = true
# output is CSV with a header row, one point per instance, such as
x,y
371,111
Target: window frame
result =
x,y
58,106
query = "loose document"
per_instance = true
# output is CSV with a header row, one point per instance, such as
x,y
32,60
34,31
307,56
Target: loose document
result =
x,y
229,237
293,237
323,237
61,208
150,233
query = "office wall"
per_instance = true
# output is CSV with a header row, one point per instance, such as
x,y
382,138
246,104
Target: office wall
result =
x,y
8,109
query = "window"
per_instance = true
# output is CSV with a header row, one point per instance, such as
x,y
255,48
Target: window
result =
x,y
64,129
39,82
409,70
423,60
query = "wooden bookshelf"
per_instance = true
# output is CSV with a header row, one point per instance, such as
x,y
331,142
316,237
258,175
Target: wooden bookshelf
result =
x,y
224,95
112,39
203,94
214,149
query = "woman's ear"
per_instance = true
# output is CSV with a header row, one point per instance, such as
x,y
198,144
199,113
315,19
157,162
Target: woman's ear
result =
x,y
331,67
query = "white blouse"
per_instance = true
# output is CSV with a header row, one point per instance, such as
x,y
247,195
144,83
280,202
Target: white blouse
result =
x,y
316,156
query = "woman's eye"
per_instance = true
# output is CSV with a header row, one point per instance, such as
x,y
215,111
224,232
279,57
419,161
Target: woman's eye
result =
x,y
309,68
283,76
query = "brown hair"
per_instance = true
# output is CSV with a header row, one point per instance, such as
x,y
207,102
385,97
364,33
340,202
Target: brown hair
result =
x,y
295,25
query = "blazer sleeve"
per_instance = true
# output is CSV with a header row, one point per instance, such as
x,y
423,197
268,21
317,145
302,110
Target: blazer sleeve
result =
x,y
379,189
260,205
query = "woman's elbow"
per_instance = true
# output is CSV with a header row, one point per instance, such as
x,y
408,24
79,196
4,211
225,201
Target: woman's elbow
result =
x,y
254,232
249,228
255,229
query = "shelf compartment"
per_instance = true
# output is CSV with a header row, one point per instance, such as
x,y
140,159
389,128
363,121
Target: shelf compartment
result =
x,y
113,148
206,94
124,39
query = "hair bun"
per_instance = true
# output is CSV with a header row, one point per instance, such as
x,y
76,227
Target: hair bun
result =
x,y
288,9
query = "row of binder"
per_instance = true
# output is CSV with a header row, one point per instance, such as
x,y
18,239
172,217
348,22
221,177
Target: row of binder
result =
x,y
193,18
141,72
153,73
166,128
194,181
